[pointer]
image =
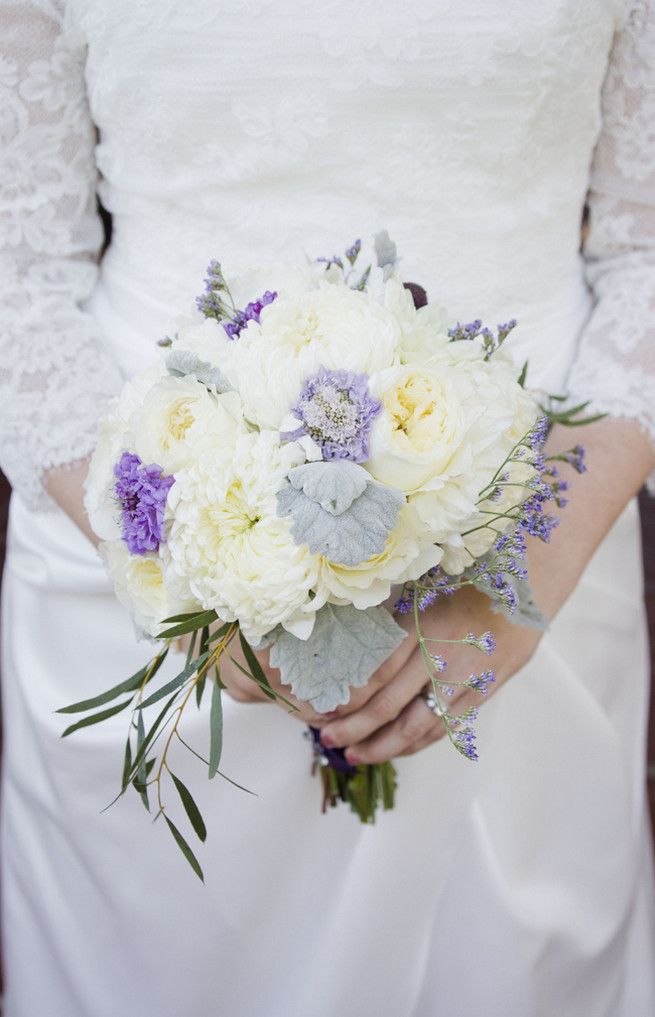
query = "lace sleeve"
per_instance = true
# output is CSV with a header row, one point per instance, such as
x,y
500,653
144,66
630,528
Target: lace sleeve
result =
x,y
615,365
54,375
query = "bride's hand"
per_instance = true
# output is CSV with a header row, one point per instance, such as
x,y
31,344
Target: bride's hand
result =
x,y
396,720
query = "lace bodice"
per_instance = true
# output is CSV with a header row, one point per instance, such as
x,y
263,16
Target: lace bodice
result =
x,y
254,130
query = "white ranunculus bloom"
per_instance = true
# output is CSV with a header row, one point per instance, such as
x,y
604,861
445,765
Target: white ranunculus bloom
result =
x,y
227,544
140,586
332,327
409,552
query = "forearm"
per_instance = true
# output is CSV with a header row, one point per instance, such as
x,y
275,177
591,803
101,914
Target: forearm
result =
x,y
66,486
618,457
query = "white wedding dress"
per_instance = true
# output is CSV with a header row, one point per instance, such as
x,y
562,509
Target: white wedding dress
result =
x,y
251,130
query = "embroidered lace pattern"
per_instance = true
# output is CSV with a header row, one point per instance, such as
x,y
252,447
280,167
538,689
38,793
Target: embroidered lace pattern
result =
x,y
54,375
615,365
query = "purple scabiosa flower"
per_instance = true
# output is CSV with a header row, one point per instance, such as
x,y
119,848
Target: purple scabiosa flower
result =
x,y
141,492
336,411
251,313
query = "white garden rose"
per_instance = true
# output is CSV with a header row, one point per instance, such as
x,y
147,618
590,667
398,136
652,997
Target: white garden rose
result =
x,y
421,433
177,415
409,552
140,587
332,327
227,544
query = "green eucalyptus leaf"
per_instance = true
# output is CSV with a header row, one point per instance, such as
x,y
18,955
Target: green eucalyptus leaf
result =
x,y
215,731
96,718
127,765
192,624
130,685
256,670
185,849
200,688
219,633
143,745
141,777
191,809
174,683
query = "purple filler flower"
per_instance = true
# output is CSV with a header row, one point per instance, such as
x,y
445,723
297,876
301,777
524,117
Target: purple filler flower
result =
x,y
141,492
251,313
336,411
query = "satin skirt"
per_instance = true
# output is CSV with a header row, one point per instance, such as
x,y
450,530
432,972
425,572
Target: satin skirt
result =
x,y
518,886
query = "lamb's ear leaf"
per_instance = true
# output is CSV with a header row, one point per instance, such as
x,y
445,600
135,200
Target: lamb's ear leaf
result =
x,y
345,648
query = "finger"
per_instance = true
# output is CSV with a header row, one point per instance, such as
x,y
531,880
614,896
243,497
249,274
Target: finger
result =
x,y
382,708
415,728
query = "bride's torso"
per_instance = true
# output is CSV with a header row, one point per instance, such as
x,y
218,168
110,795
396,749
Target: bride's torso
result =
x,y
253,130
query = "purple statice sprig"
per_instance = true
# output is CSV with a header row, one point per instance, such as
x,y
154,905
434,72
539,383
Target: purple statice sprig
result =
x,y
337,411
141,493
251,312
217,302
475,329
346,265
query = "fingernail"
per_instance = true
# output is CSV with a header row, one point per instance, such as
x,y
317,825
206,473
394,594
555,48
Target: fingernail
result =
x,y
352,758
327,741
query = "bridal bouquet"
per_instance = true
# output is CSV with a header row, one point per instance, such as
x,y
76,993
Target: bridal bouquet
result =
x,y
283,468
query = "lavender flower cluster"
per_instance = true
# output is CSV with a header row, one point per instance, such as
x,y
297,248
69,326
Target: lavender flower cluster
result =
x,y
141,492
216,302
336,411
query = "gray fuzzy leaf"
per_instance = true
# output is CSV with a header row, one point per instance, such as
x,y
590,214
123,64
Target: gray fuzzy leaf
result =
x,y
385,252
181,363
344,526
345,648
334,485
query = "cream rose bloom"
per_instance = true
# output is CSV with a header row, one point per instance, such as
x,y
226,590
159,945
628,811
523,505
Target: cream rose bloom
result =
x,y
140,586
178,414
332,327
228,547
444,430
408,553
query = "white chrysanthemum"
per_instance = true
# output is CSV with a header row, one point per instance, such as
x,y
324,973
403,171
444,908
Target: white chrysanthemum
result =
x,y
179,415
227,543
140,586
332,327
409,552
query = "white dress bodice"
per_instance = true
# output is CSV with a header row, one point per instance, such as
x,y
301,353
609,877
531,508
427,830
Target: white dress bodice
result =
x,y
255,131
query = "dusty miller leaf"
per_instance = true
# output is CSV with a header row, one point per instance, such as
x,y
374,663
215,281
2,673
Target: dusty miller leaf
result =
x,y
181,363
345,648
339,511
